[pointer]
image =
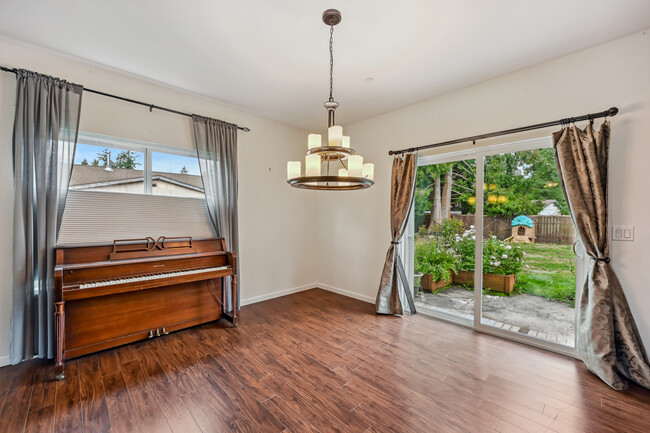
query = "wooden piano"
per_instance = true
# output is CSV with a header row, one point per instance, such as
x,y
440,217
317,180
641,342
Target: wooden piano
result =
x,y
134,289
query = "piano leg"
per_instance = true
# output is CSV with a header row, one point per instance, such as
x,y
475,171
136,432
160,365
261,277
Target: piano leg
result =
x,y
224,300
235,313
59,326
232,317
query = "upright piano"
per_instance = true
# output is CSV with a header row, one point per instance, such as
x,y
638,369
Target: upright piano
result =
x,y
134,289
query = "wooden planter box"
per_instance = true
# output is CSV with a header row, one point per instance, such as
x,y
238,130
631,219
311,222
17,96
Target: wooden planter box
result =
x,y
428,285
498,283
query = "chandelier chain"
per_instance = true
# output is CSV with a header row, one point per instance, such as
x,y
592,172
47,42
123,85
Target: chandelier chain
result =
x,y
331,62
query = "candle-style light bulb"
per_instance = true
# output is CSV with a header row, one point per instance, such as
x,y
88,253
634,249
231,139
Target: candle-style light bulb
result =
x,y
293,169
335,135
355,165
368,170
312,165
345,141
313,140
343,173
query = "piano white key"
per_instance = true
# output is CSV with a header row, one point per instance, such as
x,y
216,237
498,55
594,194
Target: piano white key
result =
x,y
150,277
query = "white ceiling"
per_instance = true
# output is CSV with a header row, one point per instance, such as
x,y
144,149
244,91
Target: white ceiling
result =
x,y
271,57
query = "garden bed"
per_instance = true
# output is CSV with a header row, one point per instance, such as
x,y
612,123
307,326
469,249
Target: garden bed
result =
x,y
496,282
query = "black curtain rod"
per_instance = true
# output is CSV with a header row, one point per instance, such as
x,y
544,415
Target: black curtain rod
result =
x,y
611,112
133,101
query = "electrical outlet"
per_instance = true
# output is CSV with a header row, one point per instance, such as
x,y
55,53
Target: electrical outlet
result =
x,y
623,233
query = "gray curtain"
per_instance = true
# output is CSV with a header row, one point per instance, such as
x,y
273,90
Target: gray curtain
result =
x,y
44,141
402,192
216,145
607,338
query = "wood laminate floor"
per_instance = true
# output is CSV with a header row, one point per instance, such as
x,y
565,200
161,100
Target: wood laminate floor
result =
x,y
317,361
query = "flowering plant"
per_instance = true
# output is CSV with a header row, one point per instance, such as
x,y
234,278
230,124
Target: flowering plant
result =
x,y
499,257
436,259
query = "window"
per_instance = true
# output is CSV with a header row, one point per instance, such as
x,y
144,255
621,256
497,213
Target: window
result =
x,y
122,189
105,164
107,169
496,218
176,175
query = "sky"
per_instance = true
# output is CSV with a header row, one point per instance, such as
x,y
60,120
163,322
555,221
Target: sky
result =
x,y
164,162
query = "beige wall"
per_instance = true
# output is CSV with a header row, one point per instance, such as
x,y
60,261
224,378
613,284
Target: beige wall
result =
x,y
273,217
281,244
613,74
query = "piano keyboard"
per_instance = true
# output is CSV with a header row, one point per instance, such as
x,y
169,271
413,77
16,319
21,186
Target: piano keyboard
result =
x,y
150,277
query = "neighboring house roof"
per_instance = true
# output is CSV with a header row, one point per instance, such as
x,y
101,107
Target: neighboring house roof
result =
x,y
85,176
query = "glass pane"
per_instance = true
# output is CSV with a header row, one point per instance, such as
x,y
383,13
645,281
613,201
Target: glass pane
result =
x,y
445,240
105,169
529,265
176,175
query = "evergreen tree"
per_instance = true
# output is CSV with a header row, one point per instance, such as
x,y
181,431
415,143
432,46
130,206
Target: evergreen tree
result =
x,y
183,170
125,159
84,162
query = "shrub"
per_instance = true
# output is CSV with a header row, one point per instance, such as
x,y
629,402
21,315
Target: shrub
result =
x,y
435,259
454,250
500,257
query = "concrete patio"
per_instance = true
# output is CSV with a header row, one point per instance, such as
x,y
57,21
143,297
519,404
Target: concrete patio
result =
x,y
525,314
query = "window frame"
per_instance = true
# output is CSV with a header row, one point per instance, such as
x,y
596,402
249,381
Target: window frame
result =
x,y
144,147
476,324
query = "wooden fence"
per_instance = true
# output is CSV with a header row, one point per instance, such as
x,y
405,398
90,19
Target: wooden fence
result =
x,y
548,229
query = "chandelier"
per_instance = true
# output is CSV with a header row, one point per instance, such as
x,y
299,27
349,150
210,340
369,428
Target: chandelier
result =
x,y
353,173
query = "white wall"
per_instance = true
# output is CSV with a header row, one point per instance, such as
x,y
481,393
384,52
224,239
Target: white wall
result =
x,y
613,74
273,217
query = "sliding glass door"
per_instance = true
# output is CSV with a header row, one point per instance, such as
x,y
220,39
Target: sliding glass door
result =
x,y
496,219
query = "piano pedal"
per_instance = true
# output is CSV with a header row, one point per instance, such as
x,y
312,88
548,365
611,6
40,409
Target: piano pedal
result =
x,y
157,332
164,331
150,334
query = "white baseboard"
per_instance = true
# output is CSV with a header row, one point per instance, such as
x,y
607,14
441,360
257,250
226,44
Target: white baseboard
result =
x,y
347,293
279,293
4,360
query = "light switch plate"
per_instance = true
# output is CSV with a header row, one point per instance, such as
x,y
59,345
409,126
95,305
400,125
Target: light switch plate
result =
x,y
623,233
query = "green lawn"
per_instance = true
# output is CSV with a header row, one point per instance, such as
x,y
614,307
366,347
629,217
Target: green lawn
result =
x,y
549,272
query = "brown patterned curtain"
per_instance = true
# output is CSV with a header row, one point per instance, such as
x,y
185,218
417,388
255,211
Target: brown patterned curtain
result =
x,y
607,338
402,190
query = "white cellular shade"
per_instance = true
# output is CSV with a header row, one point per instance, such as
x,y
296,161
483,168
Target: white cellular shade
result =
x,y
100,217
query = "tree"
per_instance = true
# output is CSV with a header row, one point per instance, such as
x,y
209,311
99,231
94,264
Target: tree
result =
x,y
104,158
515,184
84,162
446,192
429,180
125,159
183,170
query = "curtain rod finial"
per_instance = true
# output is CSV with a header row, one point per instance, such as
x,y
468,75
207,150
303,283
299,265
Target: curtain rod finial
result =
x,y
613,111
